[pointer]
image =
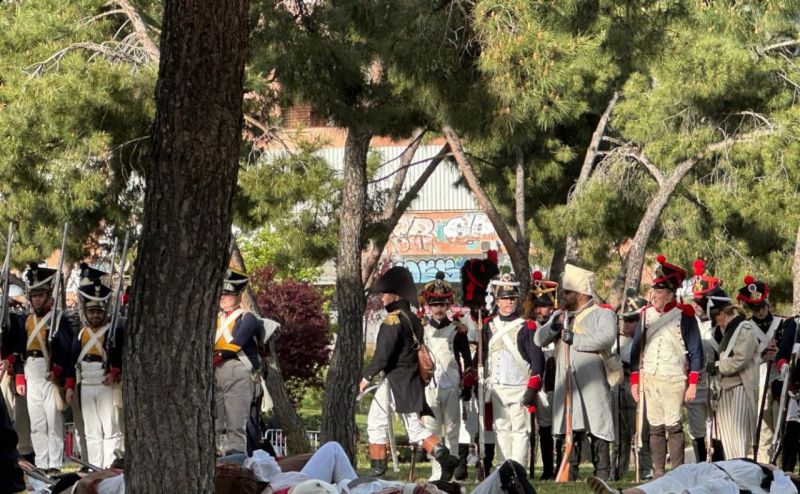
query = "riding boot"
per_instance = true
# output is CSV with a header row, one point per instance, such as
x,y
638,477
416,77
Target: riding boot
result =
x,y
700,453
460,472
546,446
433,445
488,457
377,459
790,446
658,449
601,458
677,443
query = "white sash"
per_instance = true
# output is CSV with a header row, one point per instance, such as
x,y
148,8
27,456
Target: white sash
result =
x,y
503,337
763,338
663,321
36,334
225,325
732,342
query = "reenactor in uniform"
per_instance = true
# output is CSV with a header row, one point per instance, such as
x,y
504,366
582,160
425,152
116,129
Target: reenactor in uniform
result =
x,y
697,409
235,365
40,376
630,316
515,365
96,366
540,303
454,376
476,274
587,332
396,357
666,343
791,438
737,369
754,294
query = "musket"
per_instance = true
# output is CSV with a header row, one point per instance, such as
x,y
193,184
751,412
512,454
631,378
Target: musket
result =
x,y
36,473
766,389
111,271
390,415
563,468
112,337
5,322
54,312
85,464
481,400
780,425
411,471
712,433
615,464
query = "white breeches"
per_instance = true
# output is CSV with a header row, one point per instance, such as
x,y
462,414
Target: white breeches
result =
x,y
446,420
512,423
100,418
47,421
378,419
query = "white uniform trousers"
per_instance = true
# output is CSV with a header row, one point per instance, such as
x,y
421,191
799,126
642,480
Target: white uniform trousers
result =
x,y
736,421
99,415
446,420
512,423
47,421
233,392
378,419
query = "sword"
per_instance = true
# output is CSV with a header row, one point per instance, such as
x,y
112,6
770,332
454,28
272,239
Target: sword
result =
x,y
367,391
390,417
85,464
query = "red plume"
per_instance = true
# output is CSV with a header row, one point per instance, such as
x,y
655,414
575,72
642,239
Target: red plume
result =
x,y
661,258
537,276
749,279
492,256
699,267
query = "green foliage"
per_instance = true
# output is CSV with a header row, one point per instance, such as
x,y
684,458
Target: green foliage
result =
x,y
71,126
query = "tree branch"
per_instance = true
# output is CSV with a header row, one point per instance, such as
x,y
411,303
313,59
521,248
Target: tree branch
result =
x,y
594,144
139,27
782,44
102,49
632,151
400,178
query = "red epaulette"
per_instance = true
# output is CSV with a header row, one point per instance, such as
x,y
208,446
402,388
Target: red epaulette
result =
x,y
487,319
531,324
687,310
606,306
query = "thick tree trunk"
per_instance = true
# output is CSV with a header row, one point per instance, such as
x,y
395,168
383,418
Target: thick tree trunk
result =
x,y
523,242
293,427
182,254
341,386
796,272
519,260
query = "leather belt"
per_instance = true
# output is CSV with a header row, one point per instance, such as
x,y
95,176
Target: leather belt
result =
x,y
35,354
92,358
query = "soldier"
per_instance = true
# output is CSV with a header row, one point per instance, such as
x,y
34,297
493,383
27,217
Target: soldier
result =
x,y
476,274
235,364
737,368
666,342
515,365
454,376
41,375
540,303
396,356
587,332
96,366
754,294
630,316
791,438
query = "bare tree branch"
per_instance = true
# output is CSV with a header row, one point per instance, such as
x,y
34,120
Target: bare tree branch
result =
x,y
104,49
400,178
632,151
782,44
139,27
594,144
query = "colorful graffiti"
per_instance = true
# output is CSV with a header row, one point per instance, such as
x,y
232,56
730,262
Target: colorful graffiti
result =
x,y
448,233
424,270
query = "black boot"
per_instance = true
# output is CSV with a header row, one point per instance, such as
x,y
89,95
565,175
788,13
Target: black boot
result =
x,y
719,451
676,443
791,441
658,449
700,452
546,447
488,457
601,458
377,459
578,442
447,461
460,472
378,468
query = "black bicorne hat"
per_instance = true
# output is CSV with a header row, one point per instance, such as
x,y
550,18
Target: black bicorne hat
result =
x,y
397,280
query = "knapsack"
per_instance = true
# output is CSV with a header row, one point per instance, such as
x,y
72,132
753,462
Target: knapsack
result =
x,y
425,362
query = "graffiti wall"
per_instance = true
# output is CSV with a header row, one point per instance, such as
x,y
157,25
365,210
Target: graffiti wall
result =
x,y
427,242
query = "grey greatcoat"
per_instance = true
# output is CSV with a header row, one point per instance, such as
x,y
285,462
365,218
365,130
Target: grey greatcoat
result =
x,y
595,333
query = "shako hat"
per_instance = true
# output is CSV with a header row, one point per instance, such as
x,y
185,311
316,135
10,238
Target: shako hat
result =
x,y
668,275
754,292
234,282
39,279
438,291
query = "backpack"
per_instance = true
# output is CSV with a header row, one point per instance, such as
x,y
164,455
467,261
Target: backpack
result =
x,y
425,362
514,479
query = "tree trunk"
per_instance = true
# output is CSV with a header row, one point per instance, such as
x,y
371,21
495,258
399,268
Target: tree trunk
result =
x,y
519,260
523,243
294,430
341,386
557,263
182,254
796,272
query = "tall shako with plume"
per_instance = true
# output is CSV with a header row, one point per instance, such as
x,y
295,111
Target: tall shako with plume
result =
x,y
754,293
707,291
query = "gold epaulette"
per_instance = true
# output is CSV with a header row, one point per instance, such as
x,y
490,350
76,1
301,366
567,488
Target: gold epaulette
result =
x,y
392,319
